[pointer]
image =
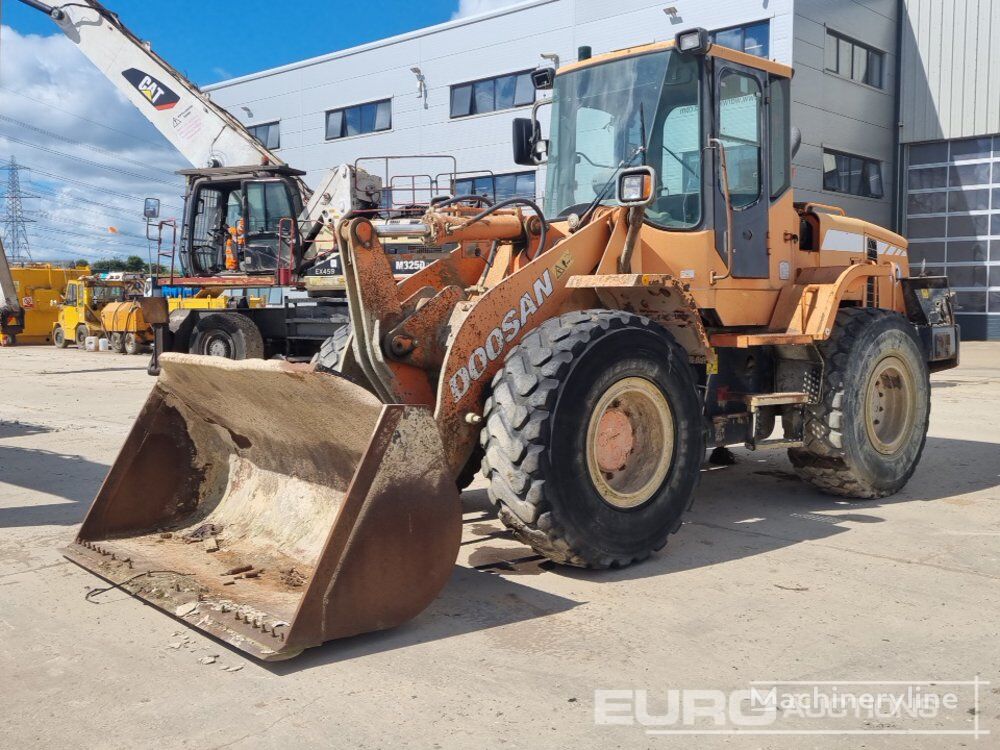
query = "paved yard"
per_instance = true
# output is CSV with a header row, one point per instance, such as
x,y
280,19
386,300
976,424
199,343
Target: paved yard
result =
x,y
767,580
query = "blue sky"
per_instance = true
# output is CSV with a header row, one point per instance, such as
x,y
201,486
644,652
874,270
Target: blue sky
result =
x,y
250,35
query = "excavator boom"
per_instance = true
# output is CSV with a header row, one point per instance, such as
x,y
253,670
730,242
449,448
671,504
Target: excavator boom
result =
x,y
204,133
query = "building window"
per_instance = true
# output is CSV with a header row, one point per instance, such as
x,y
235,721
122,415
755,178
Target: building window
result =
x,y
854,175
268,133
492,94
360,119
753,38
854,60
498,187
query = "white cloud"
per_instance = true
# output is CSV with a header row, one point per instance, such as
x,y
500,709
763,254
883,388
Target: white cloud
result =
x,y
475,7
61,117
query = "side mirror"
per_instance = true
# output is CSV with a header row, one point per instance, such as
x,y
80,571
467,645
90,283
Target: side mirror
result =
x,y
543,79
525,140
151,208
635,186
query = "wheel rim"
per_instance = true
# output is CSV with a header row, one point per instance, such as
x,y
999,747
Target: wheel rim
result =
x,y
630,442
889,405
218,345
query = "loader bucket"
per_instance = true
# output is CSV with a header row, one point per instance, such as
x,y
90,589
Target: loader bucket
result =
x,y
275,507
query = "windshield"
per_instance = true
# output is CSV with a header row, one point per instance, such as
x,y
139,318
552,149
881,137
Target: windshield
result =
x,y
638,110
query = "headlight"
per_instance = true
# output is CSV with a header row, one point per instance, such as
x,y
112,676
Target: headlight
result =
x,y
633,187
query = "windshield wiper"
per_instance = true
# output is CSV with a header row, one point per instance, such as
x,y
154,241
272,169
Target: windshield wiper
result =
x,y
604,190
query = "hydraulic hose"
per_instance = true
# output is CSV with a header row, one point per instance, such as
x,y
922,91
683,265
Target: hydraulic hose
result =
x,y
544,225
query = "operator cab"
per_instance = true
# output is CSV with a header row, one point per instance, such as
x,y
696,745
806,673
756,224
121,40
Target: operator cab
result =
x,y
673,107
241,221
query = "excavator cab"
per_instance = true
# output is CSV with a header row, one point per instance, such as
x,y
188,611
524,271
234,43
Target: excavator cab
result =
x,y
241,220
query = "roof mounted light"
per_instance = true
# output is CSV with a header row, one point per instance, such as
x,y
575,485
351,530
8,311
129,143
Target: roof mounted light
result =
x,y
693,41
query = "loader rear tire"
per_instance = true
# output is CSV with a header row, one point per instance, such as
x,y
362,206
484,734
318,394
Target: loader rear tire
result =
x,y
228,335
865,438
580,391
118,343
59,338
81,337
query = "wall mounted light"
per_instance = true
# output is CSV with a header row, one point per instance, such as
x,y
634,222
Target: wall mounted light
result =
x,y
421,84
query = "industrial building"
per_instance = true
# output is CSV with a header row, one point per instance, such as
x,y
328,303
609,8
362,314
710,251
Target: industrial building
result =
x,y
893,100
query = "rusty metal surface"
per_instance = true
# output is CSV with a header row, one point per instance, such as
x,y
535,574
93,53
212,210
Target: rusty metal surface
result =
x,y
275,507
659,297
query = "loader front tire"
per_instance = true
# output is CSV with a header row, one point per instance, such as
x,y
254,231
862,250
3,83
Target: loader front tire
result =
x,y
81,337
59,338
865,437
228,335
593,438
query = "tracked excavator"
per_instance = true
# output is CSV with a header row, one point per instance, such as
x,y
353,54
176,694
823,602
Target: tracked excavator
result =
x,y
673,297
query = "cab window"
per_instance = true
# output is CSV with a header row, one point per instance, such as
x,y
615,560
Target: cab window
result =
x,y
739,130
267,205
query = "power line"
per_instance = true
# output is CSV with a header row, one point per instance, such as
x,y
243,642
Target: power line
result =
x,y
111,235
89,146
48,192
89,236
81,117
98,188
88,162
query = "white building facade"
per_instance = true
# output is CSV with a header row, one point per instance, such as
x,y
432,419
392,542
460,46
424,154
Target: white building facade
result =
x,y
453,89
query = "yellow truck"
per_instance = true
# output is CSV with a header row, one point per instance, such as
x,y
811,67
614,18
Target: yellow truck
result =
x,y
40,289
80,312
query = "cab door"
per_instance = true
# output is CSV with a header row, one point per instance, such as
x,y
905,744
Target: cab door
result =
x,y
271,237
68,317
740,124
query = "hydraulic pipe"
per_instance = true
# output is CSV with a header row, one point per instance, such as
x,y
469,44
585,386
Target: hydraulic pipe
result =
x,y
48,10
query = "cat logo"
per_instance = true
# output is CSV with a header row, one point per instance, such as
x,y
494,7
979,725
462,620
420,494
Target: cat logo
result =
x,y
158,95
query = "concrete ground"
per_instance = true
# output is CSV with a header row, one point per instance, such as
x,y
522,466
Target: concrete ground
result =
x,y
767,580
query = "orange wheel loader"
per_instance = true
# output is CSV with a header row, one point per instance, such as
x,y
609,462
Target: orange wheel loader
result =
x,y
672,298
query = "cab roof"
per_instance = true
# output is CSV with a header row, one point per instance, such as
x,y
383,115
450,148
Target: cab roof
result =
x,y
714,50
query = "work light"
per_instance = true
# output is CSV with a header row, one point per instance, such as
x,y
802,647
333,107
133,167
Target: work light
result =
x,y
635,186
693,42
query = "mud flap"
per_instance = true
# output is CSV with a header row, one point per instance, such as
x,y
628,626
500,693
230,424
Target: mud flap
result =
x,y
275,507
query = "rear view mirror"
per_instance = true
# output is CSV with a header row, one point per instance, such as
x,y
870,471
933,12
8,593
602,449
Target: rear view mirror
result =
x,y
525,138
151,208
